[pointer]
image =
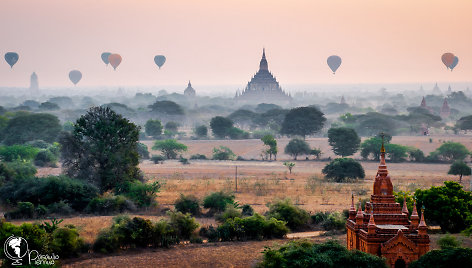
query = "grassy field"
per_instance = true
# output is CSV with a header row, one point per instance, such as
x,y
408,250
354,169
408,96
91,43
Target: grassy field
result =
x,y
258,184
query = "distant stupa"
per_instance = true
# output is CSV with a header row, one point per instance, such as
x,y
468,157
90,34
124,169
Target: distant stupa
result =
x,y
34,85
445,110
449,90
423,105
436,89
263,87
189,91
343,101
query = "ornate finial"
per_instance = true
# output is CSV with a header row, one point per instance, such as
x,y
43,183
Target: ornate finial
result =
x,y
382,135
353,208
422,222
405,208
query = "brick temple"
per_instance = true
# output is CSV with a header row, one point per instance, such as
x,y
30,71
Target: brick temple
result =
x,y
384,228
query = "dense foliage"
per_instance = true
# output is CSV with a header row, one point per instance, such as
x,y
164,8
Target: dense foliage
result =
x,y
445,258
217,201
221,126
296,147
343,169
170,148
303,121
344,141
223,153
285,210
29,127
153,128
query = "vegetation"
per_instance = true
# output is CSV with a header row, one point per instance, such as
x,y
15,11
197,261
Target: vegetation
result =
x,y
170,148
303,121
218,201
459,168
153,128
444,258
449,206
18,152
295,217
290,166
271,143
102,149
166,108
201,131
303,253
143,151
221,126
342,169
296,147
29,127
223,153
344,141
451,151
188,204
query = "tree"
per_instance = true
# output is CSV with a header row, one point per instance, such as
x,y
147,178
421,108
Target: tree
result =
x,y
29,127
170,148
153,128
396,152
371,146
285,210
290,166
48,106
316,152
166,107
459,168
172,127
451,257
237,134
304,254
221,126
297,147
271,142
143,151
449,206
102,149
303,121
341,169
344,141
223,153
201,131
451,151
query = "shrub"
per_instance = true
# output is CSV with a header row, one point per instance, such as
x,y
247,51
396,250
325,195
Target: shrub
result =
x,y
49,190
341,169
251,228
60,208
110,205
451,151
142,194
45,158
198,157
396,152
230,213
284,210
237,134
157,158
334,221
217,201
451,257
38,144
24,210
184,161
209,232
247,210
37,238
201,131
16,170
223,153
183,224
416,155
66,242
448,241
303,253
18,152
319,217
188,204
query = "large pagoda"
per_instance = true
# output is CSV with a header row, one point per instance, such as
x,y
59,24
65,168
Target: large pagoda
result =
x,y
263,87
383,228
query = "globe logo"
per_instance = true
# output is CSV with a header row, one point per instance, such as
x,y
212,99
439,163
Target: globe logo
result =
x,y
16,248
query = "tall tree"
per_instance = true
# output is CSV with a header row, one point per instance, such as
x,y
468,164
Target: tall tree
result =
x,y
271,142
28,127
153,128
459,168
344,141
221,126
296,147
303,121
169,148
102,149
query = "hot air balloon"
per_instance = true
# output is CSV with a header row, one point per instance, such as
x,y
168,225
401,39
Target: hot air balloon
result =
x,y
105,57
11,58
115,60
159,60
75,76
448,59
334,62
454,63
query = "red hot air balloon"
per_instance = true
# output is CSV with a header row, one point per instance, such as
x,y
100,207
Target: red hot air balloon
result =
x,y
448,59
115,60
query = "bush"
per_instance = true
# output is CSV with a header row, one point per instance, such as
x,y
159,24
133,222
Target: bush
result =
x,y
198,157
254,227
110,205
416,155
67,243
223,153
303,253
45,158
284,210
341,169
448,241
210,233
143,151
37,238
188,204
451,151
396,152
49,190
183,224
18,152
238,134
230,213
157,158
334,221
451,257
201,131
247,210
184,161
16,170
142,194
60,208
24,210
217,201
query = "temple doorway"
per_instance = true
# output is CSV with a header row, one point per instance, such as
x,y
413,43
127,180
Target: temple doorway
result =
x,y
400,263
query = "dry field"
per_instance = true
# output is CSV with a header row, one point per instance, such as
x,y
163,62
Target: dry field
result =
x,y
258,184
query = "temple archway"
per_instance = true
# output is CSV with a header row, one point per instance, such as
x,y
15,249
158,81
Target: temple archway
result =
x,y
400,263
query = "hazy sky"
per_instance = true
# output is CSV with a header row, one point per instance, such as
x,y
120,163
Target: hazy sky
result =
x,y
214,42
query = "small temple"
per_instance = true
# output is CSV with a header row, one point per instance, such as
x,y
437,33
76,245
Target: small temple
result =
x,y
384,228
34,85
189,91
445,110
263,87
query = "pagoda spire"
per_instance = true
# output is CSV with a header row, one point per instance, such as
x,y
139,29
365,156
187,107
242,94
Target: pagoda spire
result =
x,y
263,66
352,209
422,227
382,170
371,225
404,208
